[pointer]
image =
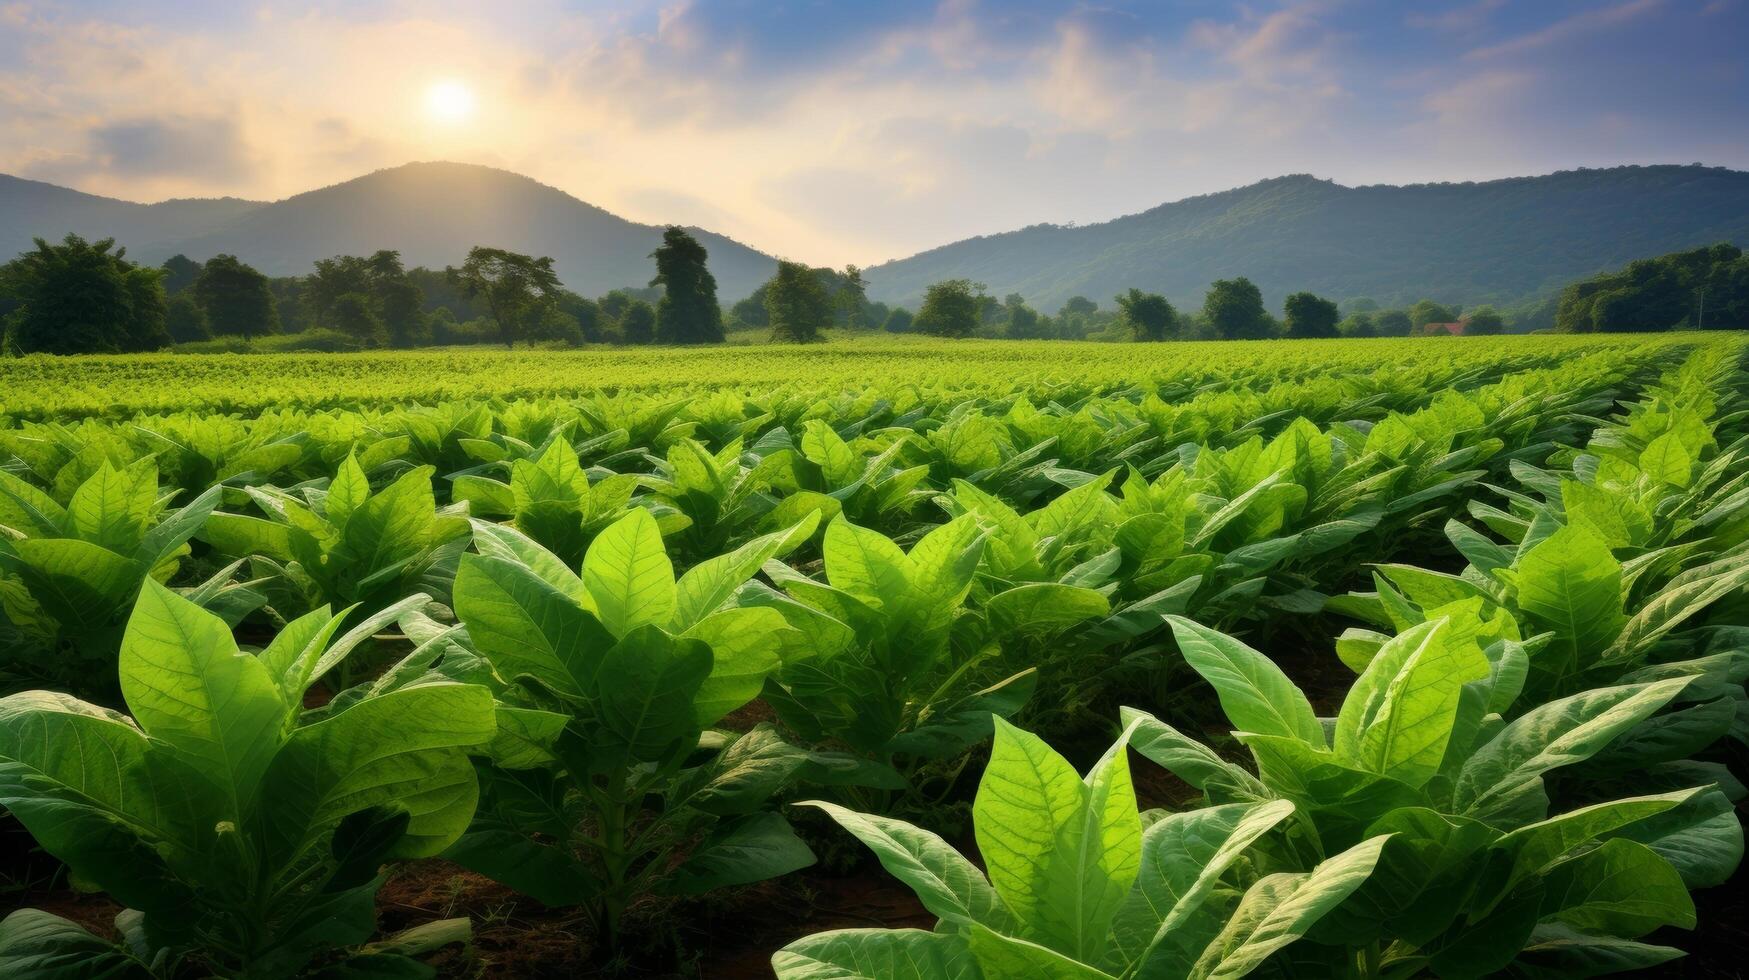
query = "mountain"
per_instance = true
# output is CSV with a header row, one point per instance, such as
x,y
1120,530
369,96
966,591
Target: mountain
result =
x,y
1500,241
432,213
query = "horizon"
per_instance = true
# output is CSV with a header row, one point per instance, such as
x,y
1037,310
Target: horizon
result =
x,y
865,135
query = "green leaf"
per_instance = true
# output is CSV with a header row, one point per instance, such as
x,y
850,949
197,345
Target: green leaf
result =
x,y
526,627
1041,608
1254,693
753,848
866,565
1398,717
744,646
504,541
649,705
1061,852
1539,845
1621,888
187,683
36,945
628,574
707,585
1559,952
1012,956
1281,908
949,886
1666,460
876,954
1570,583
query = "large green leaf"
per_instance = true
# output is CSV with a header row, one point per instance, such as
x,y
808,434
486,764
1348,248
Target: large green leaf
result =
x,y
1621,888
1570,583
1398,717
1254,693
744,646
628,574
187,683
876,954
527,627
756,847
36,945
949,886
649,705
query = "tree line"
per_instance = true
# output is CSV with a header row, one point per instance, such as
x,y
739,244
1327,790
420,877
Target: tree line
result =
x,y
77,296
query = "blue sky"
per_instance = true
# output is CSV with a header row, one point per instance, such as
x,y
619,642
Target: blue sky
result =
x,y
857,131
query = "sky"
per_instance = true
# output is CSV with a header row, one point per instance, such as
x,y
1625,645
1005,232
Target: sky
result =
x,y
863,130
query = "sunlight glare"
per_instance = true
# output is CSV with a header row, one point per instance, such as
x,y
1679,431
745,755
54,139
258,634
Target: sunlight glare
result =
x,y
449,102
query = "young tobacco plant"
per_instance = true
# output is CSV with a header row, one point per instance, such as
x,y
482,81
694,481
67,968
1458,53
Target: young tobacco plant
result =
x,y
347,544
611,783
1080,885
243,834
1478,876
885,661
69,574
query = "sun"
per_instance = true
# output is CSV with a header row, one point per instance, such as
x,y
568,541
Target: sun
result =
x,y
449,102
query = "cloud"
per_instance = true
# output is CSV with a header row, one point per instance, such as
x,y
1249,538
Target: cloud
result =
x,y
1570,27
193,148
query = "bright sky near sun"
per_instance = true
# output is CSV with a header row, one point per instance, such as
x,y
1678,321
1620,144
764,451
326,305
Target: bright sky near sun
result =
x,y
858,131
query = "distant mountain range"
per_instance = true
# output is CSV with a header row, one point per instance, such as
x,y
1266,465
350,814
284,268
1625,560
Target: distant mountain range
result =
x,y
431,212
1500,241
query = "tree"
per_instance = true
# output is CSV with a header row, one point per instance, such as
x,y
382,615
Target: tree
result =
x,y
1310,316
898,321
514,286
1427,311
851,297
401,305
1357,325
1148,315
1361,304
1079,306
1483,321
236,298
951,308
638,323
553,323
395,300
352,315
184,320
180,272
79,297
585,312
688,312
1024,323
1234,310
1392,323
1702,287
796,303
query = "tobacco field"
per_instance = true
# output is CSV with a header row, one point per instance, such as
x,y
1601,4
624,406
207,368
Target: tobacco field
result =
x,y
899,660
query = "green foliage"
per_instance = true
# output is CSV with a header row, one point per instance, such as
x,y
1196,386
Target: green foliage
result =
x,y
796,304
950,309
688,312
185,321
236,298
607,781
638,324
1309,316
516,288
1147,314
1703,287
1234,310
1484,321
1080,885
79,297
242,832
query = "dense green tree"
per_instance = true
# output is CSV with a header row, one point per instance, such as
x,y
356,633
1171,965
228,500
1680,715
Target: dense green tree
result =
x,y
1148,315
1427,311
402,308
184,320
1484,321
515,287
1310,316
1702,287
1234,310
1392,323
353,315
1079,306
850,300
1024,323
79,297
898,321
688,312
951,308
796,303
180,272
638,323
590,325
613,304
751,311
395,299
237,298
1357,325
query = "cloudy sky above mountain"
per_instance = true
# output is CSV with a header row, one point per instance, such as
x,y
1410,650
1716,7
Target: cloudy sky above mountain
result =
x,y
858,131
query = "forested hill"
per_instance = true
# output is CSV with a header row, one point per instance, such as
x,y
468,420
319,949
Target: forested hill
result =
x,y
432,213
1499,241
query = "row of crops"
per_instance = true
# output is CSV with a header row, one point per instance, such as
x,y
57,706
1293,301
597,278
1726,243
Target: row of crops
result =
x,y
1429,671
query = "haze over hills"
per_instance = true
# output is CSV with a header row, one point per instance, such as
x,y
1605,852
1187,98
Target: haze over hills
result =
x,y
1500,241
432,213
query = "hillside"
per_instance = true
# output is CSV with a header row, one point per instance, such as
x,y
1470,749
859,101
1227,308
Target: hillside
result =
x,y
1498,241
431,212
